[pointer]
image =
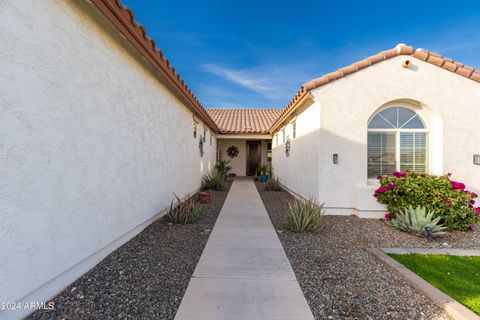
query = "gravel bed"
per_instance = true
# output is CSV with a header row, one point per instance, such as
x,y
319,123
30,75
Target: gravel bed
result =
x,y
143,279
341,279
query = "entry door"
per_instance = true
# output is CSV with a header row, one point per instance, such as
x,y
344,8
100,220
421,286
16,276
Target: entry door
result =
x,y
253,157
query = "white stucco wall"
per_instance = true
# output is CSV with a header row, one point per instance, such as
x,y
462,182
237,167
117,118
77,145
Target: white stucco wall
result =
x,y
299,171
92,145
448,104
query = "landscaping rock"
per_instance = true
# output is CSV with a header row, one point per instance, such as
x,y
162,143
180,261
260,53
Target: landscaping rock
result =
x,y
145,278
341,279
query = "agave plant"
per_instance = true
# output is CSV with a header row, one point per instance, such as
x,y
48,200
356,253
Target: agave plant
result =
x,y
183,212
418,221
212,182
273,184
305,215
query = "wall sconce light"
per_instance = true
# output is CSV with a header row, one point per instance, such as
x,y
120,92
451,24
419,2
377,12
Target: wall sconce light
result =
x,y
476,159
335,158
200,146
287,147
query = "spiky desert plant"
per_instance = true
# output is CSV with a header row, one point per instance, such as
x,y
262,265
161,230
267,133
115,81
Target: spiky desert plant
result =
x,y
212,182
223,168
273,184
183,212
417,221
305,215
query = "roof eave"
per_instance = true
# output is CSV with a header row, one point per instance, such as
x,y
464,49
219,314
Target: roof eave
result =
x,y
123,20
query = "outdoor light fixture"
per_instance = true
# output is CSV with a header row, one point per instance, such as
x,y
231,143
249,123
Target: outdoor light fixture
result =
x,y
476,159
429,232
406,64
335,158
200,146
287,147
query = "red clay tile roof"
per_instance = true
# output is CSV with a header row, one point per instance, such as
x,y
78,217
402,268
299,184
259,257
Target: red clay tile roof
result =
x,y
123,19
235,121
400,49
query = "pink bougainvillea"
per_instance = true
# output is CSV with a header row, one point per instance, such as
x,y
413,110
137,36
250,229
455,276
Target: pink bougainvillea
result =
x,y
457,185
449,199
398,174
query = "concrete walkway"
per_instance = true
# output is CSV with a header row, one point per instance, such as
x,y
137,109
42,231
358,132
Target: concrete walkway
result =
x,y
243,272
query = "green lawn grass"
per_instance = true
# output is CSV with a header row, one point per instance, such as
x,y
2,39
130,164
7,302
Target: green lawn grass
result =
x,y
457,276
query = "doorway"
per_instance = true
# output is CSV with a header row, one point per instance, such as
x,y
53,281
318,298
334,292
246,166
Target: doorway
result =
x,y
253,157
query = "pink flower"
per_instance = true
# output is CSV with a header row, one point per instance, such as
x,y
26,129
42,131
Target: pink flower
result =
x,y
390,186
448,203
457,185
379,177
477,210
398,174
381,190
472,201
388,216
470,227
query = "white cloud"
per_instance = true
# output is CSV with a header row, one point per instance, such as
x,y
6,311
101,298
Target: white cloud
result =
x,y
275,83
244,78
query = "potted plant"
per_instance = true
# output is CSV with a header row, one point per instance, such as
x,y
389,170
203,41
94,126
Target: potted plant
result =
x,y
223,167
263,172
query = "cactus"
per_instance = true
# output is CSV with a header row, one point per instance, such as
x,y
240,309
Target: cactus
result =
x,y
418,221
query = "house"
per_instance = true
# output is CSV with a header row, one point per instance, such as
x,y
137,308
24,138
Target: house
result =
x,y
396,110
98,130
244,137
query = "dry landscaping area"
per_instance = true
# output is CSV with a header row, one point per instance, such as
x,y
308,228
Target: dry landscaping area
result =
x,y
341,279
145,278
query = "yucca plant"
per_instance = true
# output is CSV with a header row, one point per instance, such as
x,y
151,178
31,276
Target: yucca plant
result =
x,y
273,184
212,182
223,168
183,212
305,215
418,221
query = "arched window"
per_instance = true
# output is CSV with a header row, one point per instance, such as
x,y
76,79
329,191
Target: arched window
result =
x,y
397,141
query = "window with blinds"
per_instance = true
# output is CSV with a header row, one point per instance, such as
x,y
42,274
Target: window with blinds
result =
x,y
381,153
397,141
413,151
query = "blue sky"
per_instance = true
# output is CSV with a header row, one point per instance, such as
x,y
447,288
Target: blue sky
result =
x,y
258,53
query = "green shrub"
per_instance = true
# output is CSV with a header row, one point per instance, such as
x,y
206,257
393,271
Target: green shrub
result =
x,y
447,198
417,220
212,182
183,212
273,184
305,215
223,167
263,169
